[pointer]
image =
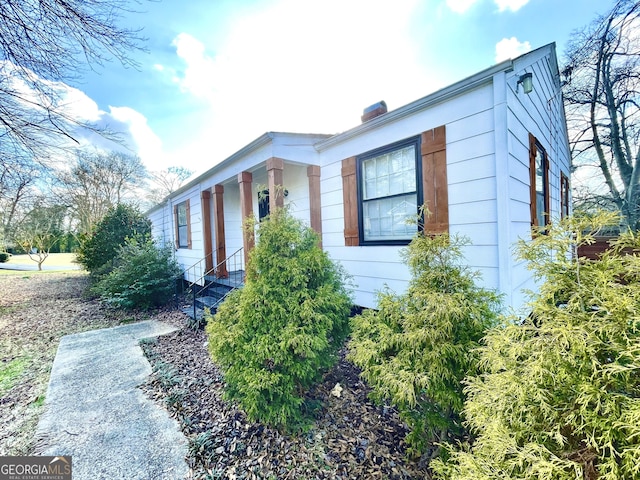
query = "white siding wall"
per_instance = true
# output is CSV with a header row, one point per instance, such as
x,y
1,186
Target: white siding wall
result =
x,y
296,182
472,192
232,218
541,114
161,225
487,130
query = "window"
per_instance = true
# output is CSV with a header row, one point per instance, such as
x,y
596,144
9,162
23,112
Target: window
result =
x,y
263,204
539,176
388,195
564,195
183,225
384,188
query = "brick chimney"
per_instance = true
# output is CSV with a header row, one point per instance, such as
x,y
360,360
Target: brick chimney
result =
x,y
373,111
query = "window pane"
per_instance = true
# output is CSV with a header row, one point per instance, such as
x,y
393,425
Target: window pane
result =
x,y
388,218
541,187
182,236
540,209
182,214
539,173
391,173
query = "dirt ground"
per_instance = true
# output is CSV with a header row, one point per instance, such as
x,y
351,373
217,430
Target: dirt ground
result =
x,y
351,438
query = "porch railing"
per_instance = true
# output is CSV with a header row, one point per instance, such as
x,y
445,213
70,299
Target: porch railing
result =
x,y
228,273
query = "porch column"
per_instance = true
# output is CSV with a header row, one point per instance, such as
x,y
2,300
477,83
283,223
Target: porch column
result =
x,y
315,215
275,168
221,248
246,209
205,201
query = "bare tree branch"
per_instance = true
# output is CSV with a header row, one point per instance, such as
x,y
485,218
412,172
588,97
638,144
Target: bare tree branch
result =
x,y
601,97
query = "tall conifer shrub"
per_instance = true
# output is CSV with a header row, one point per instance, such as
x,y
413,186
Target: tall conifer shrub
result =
x,y
559,396
274,338
416,349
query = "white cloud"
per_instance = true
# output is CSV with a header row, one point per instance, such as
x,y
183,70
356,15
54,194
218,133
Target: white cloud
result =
x,y
143,140
78,105
511,48
460,6
130,126
513,5
303,67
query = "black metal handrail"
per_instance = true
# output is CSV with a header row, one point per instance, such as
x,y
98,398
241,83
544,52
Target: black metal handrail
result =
x,y
198,270
232,266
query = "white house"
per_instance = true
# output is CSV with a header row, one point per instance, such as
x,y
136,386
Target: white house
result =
x,y
488,155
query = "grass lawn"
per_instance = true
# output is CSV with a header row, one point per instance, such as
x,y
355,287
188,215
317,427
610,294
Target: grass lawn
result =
x,y
62,260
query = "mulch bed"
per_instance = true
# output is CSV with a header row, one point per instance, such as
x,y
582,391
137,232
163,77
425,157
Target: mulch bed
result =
x,y
351,438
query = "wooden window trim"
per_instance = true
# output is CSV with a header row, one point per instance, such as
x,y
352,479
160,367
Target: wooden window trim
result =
x,y
435,188
350,192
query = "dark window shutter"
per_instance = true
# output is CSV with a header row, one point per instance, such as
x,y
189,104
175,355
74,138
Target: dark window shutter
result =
x,y
350,198
434,180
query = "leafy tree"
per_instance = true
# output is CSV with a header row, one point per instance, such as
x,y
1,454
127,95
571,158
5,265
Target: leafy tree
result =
x,y
274,337
559,393
71,35
415,350
40,231
144,276
603,73
99,248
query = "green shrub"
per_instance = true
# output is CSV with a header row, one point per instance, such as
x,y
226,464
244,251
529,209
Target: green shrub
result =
x,y
144,276
99,248
418,347
559,397
4,257
275,336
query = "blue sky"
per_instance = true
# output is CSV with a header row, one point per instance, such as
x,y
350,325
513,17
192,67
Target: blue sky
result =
x,y
219,73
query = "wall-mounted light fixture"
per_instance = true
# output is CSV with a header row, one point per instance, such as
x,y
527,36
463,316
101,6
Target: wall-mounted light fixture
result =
x,y
526,80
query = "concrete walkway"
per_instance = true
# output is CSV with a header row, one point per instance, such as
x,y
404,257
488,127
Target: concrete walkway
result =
x,y
95,412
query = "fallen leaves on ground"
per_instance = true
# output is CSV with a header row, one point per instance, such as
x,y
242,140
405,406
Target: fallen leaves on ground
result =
x,y
351,437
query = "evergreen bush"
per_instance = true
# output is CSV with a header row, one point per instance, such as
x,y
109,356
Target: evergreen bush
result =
x,y
99,248
415,350
4,257
559,396
144,276
274,338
